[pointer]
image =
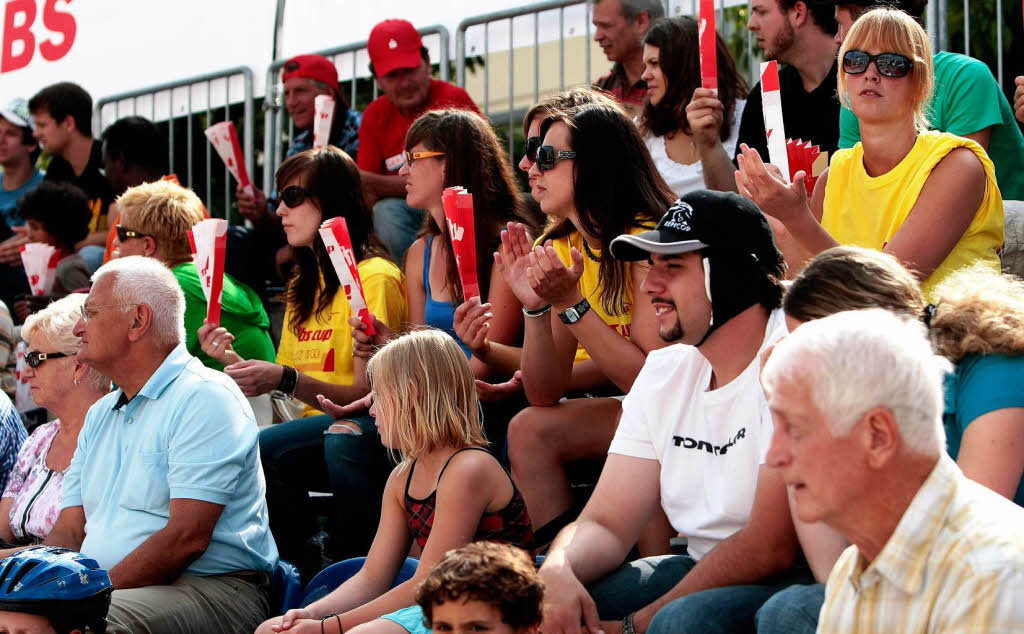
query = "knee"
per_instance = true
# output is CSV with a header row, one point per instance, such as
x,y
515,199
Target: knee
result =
x,y
349,441
528,434
794,609
684,615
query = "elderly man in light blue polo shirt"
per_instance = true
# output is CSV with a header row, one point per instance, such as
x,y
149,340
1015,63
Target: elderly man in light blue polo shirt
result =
x,y
165,489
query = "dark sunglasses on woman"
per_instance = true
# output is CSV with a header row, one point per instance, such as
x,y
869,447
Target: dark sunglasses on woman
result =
x,y
548,157
888,64
293,196
532,144
34,358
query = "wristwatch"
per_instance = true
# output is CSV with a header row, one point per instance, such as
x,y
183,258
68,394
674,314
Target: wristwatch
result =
x,y
627,624
573,314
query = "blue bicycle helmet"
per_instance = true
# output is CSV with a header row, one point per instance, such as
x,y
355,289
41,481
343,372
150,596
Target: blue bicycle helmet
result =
x,y
66,586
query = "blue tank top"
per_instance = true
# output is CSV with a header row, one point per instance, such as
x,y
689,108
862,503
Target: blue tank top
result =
x,y
440,315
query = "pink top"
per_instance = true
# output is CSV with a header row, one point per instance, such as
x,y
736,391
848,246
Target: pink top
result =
x,y
36,489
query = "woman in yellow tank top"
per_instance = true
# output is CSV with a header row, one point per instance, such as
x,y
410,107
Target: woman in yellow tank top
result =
x,y
929,198
595,180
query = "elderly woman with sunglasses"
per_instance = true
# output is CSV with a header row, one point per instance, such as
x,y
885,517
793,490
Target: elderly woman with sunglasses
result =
x,y
67,388
928,198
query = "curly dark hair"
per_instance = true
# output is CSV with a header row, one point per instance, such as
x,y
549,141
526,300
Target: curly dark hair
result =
x,y
62,209
678,45
332,180
499,575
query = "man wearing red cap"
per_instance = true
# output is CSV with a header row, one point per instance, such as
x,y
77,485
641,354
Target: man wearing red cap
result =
x,y
304,77
401,65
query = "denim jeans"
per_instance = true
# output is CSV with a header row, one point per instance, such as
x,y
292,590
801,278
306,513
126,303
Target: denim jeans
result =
x,y
728,609
637,584
301,456
397,224
793,611
725,610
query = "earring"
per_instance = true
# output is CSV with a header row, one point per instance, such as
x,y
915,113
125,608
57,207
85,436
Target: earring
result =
x,y
76,381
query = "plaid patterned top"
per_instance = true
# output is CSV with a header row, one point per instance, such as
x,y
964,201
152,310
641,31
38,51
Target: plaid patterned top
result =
x,y
955,563
510,525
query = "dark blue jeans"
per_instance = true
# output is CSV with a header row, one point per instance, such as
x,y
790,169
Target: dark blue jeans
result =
x,y
727,609
795,610
301,456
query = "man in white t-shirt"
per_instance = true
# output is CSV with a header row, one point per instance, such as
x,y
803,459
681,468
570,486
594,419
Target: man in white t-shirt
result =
x,y
693,436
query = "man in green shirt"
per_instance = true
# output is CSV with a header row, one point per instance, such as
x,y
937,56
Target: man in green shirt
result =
x,y
967,102
155,219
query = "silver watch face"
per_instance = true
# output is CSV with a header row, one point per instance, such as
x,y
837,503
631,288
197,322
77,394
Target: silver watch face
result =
x,y
571,314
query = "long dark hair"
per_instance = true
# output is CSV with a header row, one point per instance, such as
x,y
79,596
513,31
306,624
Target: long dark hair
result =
x,y
475,159
617,188
679,56
331,178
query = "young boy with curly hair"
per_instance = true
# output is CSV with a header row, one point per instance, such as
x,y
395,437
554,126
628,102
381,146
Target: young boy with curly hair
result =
x,y
483,587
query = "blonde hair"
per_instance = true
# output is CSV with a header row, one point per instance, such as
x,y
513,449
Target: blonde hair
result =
x,y
980,311
422,382
56,323
166,211
893,31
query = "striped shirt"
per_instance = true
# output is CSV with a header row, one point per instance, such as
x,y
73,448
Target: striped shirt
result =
x,y
955,563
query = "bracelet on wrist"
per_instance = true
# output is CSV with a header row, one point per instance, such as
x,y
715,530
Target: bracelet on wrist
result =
x,y
540,312
289,379
341,629
627,624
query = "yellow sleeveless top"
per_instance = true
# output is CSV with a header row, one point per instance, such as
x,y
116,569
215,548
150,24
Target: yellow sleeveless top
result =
x,y
868,211
591,289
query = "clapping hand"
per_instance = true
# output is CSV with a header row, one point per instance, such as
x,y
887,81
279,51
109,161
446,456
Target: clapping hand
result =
x,y
512,259
551,281
764,184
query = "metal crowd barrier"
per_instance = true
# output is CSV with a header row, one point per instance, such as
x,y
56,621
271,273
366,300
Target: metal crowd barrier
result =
x,y
347,58
202,100
502,25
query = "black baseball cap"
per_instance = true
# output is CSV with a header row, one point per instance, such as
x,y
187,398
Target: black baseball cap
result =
x,y
702,219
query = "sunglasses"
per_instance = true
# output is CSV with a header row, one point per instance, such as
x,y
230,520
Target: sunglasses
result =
x,y
548,157
294,195
532,145
34,358
888,64
124,233
412,157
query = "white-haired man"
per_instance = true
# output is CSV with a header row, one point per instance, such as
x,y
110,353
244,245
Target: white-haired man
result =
x,y
165,489
857,402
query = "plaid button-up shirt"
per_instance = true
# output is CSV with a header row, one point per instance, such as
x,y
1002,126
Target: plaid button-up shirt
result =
x,y
955,563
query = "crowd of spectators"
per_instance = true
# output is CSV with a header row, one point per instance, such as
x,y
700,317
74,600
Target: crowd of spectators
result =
x,y
693,394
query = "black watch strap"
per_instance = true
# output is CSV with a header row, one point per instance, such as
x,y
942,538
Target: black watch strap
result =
x,y
573,314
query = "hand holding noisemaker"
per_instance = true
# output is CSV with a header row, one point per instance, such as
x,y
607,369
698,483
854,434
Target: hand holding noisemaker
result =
x,y
708,46
458,212
208,240
334,233
224,138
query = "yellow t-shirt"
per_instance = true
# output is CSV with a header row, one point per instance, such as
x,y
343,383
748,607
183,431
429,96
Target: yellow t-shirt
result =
x,y
590,286
323,349
867,212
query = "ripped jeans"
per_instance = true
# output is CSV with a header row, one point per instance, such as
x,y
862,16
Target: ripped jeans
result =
x,y
315,454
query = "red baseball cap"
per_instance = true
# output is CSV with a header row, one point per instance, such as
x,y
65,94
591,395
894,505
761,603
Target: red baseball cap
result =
x,y
312,67
394,44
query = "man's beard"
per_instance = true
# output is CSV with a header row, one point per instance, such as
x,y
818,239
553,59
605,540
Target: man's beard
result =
x,y
781,44
675,333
